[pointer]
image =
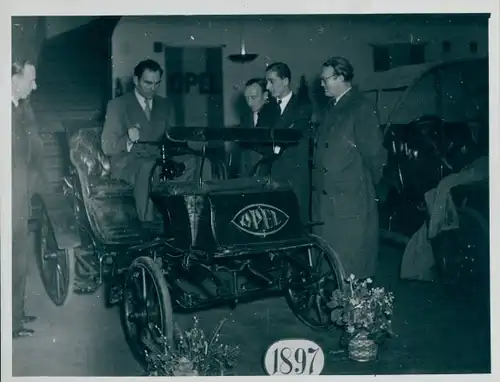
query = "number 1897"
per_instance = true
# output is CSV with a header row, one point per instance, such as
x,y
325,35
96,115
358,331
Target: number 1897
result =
x,y
294,357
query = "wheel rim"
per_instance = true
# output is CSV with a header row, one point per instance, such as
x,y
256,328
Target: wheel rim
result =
x,y
143,313
312,287
55,266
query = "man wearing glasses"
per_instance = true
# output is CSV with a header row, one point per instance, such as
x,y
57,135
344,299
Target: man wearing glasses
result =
x,y
349,160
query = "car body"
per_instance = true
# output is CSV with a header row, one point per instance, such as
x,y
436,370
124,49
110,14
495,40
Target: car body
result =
x,y
435,122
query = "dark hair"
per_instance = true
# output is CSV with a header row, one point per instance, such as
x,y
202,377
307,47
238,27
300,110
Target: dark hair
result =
x,y
281,69
18,66
148,64
341,67
259,81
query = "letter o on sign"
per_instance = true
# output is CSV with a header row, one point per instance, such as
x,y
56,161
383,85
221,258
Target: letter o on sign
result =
x,y
294,357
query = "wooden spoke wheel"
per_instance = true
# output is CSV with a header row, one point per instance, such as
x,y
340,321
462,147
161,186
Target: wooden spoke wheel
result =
x,y
313,273
56,266
146,309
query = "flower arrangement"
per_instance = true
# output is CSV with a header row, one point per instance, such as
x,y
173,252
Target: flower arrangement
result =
x,y
363,309
192,353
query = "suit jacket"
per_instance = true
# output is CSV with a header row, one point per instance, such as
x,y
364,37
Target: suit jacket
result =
x,y
123,113
296,113
27,160
243,160
293,166
20,172
267,116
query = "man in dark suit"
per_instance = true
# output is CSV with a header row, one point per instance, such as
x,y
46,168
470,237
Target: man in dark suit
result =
x,y
27,149
262,111
292,166
139,115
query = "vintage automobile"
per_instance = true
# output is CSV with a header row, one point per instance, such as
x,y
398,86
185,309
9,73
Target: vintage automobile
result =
x,y
218,242
435,122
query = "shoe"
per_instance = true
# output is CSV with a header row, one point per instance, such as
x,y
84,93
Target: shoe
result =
x,y
28,319
23,332
115,295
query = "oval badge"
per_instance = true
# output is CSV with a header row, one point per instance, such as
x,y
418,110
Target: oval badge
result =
x,y
260,219
294,357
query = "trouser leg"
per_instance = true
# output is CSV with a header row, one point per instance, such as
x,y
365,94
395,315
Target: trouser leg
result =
x,y
19,272
142,182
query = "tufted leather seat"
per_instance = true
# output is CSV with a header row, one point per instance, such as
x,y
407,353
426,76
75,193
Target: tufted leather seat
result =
x,y
109,203
93,166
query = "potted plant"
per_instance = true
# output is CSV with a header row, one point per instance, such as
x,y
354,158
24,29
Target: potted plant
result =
x,y
365,312
191,354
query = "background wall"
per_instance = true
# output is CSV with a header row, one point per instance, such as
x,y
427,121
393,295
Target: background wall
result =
x,y
303,42
56,25
29,32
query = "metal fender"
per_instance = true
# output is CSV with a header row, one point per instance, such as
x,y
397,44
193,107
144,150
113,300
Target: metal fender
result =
x,y
61,217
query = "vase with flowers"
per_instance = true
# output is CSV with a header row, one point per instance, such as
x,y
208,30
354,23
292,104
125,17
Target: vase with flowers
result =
x,y
365,312
192,353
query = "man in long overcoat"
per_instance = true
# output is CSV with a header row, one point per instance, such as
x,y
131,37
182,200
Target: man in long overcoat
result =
x,y
348,163
27,151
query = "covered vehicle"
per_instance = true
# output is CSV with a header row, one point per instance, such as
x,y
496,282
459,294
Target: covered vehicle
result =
x,y
435,119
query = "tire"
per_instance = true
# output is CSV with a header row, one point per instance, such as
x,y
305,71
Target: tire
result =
x,y
322,295
135,315
56,266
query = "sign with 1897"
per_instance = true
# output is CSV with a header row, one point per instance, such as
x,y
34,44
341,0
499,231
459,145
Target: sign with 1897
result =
x,y
294,357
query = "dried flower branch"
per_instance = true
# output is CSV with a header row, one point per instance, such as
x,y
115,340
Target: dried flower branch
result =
x,y
191,354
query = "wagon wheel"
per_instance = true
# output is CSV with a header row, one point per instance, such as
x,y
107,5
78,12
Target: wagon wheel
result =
x,y
462,255
313,282
56,266
146,309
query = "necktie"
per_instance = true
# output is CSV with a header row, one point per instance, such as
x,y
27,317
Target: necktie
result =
x,y
279,104
147,110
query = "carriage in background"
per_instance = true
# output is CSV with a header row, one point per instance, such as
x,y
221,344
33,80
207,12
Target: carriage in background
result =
x,y
215,242
435,121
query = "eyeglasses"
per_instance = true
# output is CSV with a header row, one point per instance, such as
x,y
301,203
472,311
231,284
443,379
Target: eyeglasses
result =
x,y
324,79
